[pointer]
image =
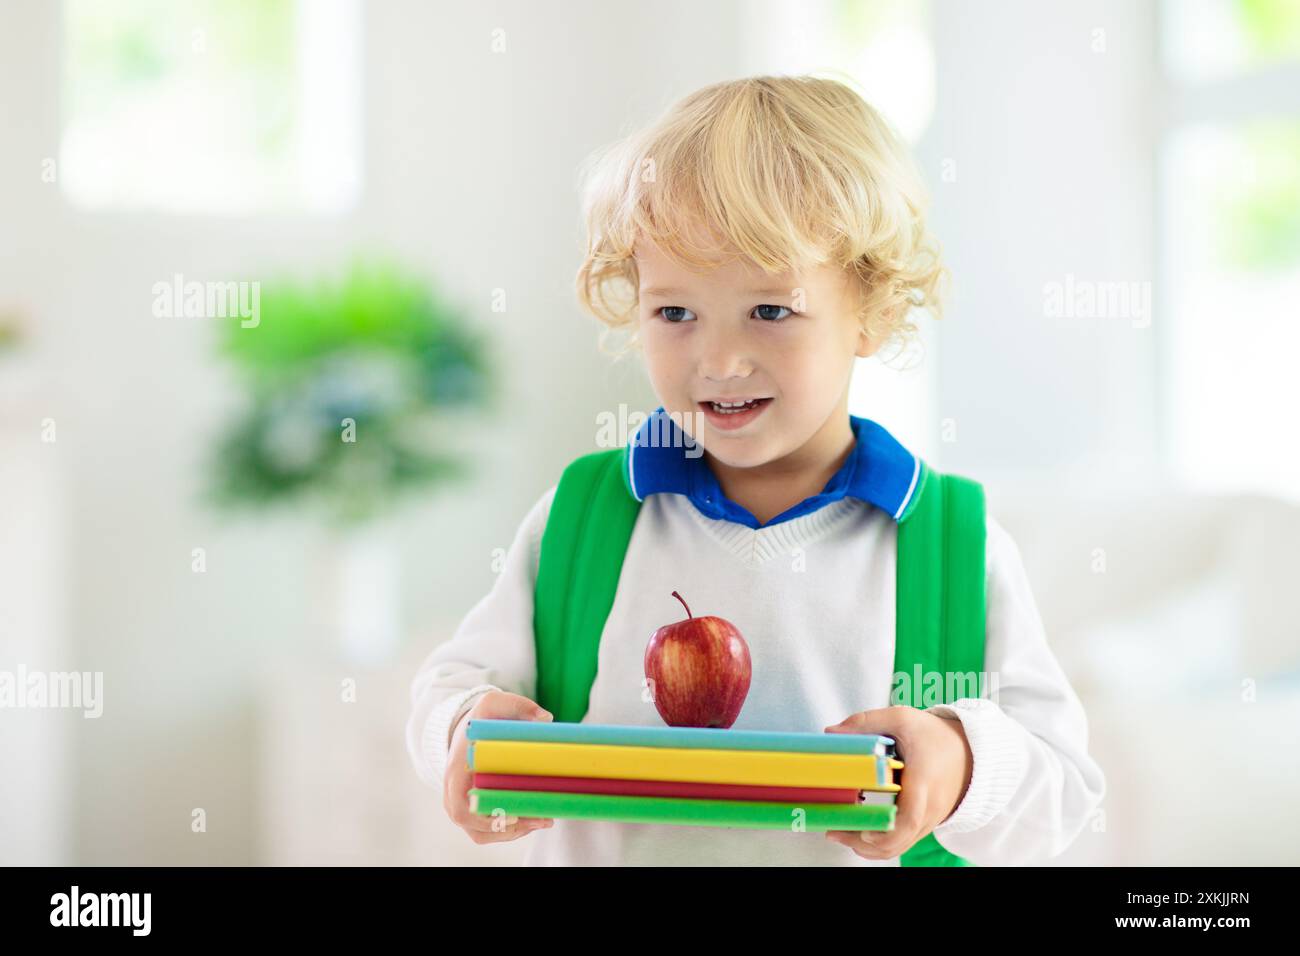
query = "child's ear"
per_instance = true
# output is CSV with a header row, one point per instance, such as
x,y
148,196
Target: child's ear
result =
x,y
867,344
866,347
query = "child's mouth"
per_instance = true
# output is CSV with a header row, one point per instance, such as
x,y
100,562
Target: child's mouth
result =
x,y
731,415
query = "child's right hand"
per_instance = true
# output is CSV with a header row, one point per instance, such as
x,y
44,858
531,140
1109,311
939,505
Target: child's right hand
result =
x,y
459,778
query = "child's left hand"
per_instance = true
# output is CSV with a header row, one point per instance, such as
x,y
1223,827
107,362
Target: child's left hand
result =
x,y
937,770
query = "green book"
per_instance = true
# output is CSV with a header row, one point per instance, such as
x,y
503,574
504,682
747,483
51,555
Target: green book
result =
x,y
685,811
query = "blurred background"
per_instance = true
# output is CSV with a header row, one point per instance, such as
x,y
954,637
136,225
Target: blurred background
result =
x,y
229,228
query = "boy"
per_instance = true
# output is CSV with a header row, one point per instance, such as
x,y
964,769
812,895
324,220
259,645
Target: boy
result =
x,y
756,241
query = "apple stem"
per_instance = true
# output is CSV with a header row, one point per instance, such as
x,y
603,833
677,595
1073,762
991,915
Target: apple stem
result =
x,y
683,600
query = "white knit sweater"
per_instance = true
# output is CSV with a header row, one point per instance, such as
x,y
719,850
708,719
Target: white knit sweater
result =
x,y
814,598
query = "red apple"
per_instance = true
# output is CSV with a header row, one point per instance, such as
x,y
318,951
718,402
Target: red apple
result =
x,y
698,670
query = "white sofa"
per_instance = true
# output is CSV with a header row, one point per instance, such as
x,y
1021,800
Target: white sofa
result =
x,y
1185,651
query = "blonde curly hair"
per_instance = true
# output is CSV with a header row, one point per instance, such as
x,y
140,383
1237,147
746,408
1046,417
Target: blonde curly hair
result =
x,y
792,171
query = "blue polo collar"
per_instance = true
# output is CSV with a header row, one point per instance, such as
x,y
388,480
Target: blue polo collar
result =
x,y
661,458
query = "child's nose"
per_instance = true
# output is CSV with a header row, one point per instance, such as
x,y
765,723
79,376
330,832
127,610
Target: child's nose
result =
x,y
722,357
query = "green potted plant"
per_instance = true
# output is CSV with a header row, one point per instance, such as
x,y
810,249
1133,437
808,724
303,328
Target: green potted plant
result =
x,y
349,387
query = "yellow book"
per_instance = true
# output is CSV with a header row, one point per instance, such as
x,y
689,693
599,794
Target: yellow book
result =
x,y
694,765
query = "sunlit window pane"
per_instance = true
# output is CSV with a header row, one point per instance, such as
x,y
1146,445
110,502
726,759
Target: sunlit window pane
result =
x,y
1233,228
890,54
216,106
1206,39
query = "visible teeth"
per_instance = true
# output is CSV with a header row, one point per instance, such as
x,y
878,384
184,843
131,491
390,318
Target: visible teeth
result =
x,y
731,408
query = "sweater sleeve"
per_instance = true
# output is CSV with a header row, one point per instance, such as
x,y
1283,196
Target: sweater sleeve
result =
x,y
492,649
1033,785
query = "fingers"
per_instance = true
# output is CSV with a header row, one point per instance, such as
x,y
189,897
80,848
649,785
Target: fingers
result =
x,y
848,838
499,705
909,827
912,804
887,845
498,827
864,844
883,846
882,720
871,845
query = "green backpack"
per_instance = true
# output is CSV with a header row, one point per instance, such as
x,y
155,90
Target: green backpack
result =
x,y
939,625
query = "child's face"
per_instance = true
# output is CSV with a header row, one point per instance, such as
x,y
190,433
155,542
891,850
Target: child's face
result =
x,y
732,334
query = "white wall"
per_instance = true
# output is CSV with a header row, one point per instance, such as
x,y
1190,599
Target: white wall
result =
x,y
1053,150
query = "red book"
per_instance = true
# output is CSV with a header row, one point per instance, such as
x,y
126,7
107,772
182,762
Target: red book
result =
x,y
664,788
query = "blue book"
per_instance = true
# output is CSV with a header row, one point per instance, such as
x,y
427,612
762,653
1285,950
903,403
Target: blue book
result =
x,y
707,738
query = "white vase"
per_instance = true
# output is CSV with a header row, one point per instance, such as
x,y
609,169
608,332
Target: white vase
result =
x,y
369,595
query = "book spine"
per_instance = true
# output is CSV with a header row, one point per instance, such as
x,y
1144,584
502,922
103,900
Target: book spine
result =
x,y
665,788
754,768
678,737
806,817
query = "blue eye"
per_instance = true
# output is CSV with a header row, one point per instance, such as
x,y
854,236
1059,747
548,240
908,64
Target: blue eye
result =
x,y
773,318
669,312
678,314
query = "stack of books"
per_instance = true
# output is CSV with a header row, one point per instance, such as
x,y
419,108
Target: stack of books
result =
x,y
691,776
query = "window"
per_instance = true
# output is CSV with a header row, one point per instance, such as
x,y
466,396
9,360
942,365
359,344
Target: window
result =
x,y
223,107
888,50
1230,231
1213,39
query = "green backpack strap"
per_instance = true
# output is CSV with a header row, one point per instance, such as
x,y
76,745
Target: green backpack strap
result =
x,y
939,615
586,536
